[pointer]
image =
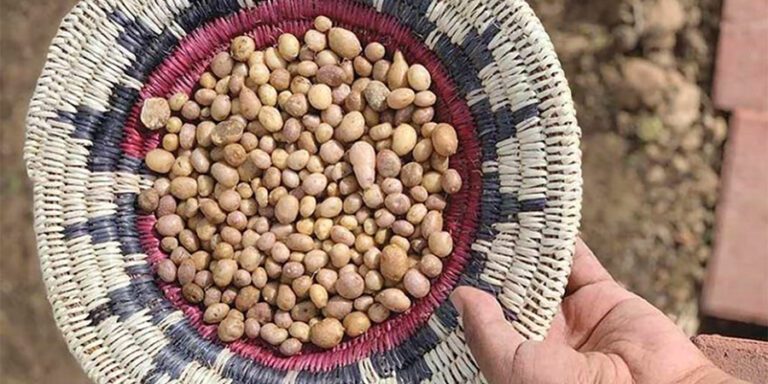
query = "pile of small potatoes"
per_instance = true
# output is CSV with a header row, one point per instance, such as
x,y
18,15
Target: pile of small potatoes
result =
x,y
301,188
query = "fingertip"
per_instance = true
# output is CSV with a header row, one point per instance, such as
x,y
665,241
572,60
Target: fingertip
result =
x,y
491,338
586,268
463,296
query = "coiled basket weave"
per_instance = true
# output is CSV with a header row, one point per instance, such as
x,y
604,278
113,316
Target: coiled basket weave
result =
x,y
514,223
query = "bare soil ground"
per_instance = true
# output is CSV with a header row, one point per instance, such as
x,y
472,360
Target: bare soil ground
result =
x,y
640,73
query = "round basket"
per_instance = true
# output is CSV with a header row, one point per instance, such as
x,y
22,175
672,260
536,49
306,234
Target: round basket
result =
x,y
514,223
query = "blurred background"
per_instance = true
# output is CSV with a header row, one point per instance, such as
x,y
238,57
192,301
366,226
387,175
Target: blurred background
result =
x,y
641,74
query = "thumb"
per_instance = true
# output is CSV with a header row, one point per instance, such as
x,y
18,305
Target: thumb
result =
x,y
505,356
491,339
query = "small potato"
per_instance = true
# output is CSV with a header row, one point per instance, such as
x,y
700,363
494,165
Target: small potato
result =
x,y
299,330
290,347
301,284
377,95
403,139
246,298
193,293
273,59
270,118
159,160
344,42
424,99
307,68
166,270
262,312
225,174
231,329
397,76
394,299
381,131
331,151
441,243
288,46
319,295
422,151
155,113
186,272
362,303
394,262
252,328
223,272
314,260
299,242
331,75
221,107
378,313
287,209
388,163
362,156
397,203
416,284
286,298
215,313
283,319
419,78
273,334
375,51
351,127
169,225
362,66
183,188
350,285
314,184
431,223
148,200
432,182
296,105
400,98
337,307
320,96
444,140
330,207
356,323
242,48
340,252
412,174
450,181
430,265
315,40
435,202
374,281
327,333
292,270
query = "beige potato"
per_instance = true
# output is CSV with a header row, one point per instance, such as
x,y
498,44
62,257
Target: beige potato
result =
x,y
344,42
394,299
404,139
356,323
327,333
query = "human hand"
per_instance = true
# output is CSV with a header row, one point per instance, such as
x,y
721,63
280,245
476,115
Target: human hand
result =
x,y
603,334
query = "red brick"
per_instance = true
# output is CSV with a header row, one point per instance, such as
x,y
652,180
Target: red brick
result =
x,y
741,75
745,11
736,287
744,359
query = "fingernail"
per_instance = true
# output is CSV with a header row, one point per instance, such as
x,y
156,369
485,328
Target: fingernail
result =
x,y
457,303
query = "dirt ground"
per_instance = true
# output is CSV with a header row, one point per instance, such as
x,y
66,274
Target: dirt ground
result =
x,y
640,74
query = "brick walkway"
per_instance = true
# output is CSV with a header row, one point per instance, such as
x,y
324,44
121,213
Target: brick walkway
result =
x,y
736,287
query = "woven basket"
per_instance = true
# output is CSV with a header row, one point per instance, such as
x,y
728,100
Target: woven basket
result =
x,y
514,223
